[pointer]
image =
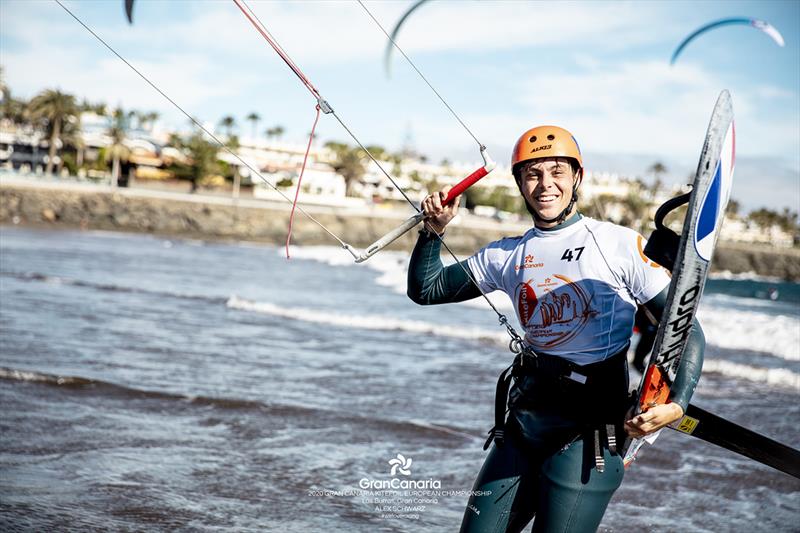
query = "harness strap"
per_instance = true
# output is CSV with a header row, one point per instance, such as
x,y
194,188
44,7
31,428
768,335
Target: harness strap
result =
x,y
599,461
497,433
611,432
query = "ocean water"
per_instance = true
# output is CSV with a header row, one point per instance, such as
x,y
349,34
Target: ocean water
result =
x,y
165,384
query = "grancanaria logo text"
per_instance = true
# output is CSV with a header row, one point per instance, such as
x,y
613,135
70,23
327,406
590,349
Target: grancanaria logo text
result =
x,y
402,465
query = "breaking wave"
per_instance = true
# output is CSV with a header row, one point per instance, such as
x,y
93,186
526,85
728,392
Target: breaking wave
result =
x,y
777,335
371,322
771,376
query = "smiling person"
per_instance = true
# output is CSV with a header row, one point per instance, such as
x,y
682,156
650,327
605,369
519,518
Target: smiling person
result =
x,y
575,284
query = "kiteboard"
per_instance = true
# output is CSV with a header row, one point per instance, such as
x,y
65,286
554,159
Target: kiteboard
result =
x,y
711,428
706,210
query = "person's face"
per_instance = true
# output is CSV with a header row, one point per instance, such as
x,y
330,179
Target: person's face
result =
x,y
547,186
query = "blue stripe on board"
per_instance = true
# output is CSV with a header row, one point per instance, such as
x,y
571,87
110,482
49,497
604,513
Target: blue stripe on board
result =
x,y
710,207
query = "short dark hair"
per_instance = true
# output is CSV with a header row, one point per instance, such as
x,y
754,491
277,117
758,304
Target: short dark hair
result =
x,y
573,163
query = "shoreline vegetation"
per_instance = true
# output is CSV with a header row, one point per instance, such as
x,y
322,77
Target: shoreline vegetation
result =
x,y
95,207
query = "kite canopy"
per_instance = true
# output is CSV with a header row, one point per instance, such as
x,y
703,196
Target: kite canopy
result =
x,y
762,25
387,57
129,10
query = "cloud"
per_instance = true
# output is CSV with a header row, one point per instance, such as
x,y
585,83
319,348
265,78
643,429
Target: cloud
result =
x,y
597,68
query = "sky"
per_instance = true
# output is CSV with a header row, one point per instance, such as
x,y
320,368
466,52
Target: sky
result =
x,y
599,69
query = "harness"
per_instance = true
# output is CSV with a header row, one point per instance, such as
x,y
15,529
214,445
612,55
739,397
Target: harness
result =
x,y
594,396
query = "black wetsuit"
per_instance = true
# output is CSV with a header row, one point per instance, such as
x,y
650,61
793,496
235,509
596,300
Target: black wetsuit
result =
x,y
546,466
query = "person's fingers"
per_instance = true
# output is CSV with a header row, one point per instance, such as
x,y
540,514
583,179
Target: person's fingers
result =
x,y
428,207
632,430
650,421
641,424
436,201
455,203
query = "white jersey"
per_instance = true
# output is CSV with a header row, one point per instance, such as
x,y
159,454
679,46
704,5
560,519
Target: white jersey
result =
x,y
574,289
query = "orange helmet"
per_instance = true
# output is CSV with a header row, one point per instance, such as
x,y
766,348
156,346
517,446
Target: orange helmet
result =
x,y
546,141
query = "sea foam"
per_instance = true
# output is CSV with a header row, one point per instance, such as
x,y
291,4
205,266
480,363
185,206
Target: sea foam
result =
x,y
778,335
370,322
771,376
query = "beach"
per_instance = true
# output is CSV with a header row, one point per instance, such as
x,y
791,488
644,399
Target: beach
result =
x,y
68,204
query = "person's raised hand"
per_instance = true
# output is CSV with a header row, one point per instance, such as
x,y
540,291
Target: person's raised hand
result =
x,y
438,216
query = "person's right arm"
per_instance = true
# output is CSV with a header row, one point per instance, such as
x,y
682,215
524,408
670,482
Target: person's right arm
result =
x,y
430,282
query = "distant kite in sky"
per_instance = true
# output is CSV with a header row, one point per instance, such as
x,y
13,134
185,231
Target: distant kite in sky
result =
x,y
762,25
129,10
387,57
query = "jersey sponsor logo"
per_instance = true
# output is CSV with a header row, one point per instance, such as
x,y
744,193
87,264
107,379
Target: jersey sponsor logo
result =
x,y
526,302
553,311
528,263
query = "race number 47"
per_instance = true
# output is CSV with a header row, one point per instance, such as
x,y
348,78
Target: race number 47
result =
x,y
570,254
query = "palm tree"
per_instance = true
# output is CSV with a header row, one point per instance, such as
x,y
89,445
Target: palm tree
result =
x,y
228,122
146,120
3,87
348,163
5,90
71,138
635,211
397,163
98,108
733,208
254,119
120,121
11,108
275,131
378,152
202,159
54,107
140,118
657,169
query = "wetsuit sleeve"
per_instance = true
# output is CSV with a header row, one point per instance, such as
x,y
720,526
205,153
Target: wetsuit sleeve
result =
x,y
692,360
430,282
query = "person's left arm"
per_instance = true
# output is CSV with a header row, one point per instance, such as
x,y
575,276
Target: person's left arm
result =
x,y
689,368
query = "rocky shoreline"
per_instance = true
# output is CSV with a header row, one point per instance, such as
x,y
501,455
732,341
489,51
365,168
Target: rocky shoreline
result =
x,y
75,205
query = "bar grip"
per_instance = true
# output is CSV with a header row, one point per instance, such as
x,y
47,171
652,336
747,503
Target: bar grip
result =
x,y
464,184
399,231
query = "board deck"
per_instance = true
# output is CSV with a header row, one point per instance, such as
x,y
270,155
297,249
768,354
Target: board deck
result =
x,y
705,213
